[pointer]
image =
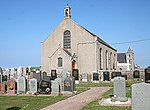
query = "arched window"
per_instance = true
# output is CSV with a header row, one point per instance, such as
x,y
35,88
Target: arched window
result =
x,y
67,39
101,58
59,62
106,55
111,60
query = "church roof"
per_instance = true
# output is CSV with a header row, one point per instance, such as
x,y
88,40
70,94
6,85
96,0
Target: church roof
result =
x,y
121,57
67,52
98,38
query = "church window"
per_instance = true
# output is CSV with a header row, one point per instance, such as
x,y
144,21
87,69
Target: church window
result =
x,y
106,54
59,62
67,39
101,58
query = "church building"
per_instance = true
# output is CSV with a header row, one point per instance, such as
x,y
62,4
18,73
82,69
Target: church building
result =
x,y
73,48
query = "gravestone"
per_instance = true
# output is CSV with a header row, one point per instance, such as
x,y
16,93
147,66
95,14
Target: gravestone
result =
x,y
115,74
106,76
119,87
3,87
12,87
95,77
69,84
75,74
147,75
33,86
53,74
45,85
136,74
19,71
37,76
21,85
141,96
84,77
24,71
64,74
56,86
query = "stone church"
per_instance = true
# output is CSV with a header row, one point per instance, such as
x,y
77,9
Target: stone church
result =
x,y
73,48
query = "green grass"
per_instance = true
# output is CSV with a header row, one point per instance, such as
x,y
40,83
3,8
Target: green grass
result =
x,y
27,102
95,106
100,84
81,89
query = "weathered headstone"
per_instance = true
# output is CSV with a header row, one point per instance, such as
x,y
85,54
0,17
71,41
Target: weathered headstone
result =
x,y
84,77
24,71
21,85
33,86
141,96
64,73
56,86
69,84
3,87
19,71
37,76
119,87
11,87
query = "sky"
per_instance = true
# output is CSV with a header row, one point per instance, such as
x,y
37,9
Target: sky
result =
x,y
24,24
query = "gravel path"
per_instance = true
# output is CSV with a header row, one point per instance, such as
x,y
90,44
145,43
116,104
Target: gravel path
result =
x,y
79,101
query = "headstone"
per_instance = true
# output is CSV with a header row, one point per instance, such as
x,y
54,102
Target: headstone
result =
x,y
106,76
115,74
56,86
45,85
84,77
69,84
95,77
136,74
53,74
64,73
19,71
141,96
37,76
33,86
3,87
21,85
119,87
147,75
24,71
11,87
75,74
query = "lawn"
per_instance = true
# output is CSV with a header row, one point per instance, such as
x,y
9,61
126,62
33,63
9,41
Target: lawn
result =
x,y
37,102
95,106
27,102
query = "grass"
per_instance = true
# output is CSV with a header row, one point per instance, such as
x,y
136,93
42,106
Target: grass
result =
x,y
95,106
27,102
38,102
100,84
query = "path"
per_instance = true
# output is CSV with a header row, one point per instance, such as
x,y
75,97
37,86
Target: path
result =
x,y
78,101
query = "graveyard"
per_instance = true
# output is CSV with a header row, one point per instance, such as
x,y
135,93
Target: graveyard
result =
x,y
36,90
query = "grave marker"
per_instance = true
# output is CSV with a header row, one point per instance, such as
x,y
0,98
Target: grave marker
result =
x,y
21,85
33,86
141,96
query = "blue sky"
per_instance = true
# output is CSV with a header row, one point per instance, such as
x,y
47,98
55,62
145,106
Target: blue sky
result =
x,y
24,24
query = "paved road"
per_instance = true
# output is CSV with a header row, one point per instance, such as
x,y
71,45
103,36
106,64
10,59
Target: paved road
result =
x,y
78,101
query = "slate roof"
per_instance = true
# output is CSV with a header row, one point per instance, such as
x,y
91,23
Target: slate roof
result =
x,y
98,39
121,58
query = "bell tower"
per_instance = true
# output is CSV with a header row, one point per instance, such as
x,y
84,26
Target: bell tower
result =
x,y
67,12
